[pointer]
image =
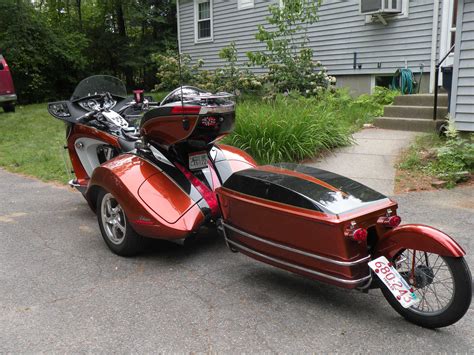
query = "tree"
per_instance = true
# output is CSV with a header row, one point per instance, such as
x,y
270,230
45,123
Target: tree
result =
x,y
287,57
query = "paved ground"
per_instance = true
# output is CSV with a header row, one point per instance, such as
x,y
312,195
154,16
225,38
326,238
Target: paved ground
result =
x,y
370,160
62,290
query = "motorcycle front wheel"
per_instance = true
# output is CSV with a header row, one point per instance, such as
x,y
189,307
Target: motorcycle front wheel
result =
x,y
443,285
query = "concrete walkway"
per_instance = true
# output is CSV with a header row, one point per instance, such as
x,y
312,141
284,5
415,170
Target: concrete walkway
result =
x,y
371,159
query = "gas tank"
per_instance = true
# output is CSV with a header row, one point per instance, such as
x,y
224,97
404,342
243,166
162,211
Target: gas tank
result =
x,y
202,118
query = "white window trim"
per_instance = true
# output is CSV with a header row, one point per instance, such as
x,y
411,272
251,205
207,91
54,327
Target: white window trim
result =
x,y
404,14
196,16
241,6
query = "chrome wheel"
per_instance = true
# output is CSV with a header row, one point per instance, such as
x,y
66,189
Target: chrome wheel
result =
x,y
113,219
431,279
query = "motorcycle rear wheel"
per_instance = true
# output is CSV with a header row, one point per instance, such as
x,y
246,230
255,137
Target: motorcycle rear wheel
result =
x,y
115,228
443,284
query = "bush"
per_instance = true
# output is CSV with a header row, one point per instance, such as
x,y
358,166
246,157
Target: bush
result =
x,y
294,128
169,75
288,60
449,158
230,78
378,99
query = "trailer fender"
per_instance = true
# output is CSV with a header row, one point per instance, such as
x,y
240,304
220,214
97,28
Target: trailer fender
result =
x,y
417,237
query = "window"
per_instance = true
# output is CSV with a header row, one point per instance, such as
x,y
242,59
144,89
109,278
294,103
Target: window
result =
x,y
245,4
202,20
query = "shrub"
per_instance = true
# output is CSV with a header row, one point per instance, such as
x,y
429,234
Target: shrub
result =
x,y
230,78
169,76
378,99
289,62
448,158
292,127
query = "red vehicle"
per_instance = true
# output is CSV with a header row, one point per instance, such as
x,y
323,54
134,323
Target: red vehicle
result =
x,y
7,90
176,179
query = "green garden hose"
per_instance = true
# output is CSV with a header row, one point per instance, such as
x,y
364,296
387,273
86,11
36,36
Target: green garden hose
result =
x,y
404,81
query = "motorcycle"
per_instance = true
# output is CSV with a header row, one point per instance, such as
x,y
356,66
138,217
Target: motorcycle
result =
x,y
177,178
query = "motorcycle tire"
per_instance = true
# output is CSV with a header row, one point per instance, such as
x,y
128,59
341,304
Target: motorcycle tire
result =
x,y
115,228
458,305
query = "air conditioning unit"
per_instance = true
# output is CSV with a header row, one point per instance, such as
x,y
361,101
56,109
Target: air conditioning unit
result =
x,y
371,7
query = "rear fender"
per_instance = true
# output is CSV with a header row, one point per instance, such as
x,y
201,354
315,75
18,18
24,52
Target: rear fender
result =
x,y
417,237
154,204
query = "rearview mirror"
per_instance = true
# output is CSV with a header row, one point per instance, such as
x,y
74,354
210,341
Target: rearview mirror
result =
x,y
59,109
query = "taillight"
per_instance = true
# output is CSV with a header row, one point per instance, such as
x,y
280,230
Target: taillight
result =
x,y
359,235
185,110
391,221
356,234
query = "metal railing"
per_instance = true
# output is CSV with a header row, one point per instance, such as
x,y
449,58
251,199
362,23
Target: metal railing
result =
x,y
435,105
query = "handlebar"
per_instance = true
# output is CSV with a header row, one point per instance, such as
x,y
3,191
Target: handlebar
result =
x,y
87,117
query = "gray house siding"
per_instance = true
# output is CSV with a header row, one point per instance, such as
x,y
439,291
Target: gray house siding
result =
x,y
340,32
462,99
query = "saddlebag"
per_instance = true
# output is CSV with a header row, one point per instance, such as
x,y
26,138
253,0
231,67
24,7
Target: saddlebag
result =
x,y
296,217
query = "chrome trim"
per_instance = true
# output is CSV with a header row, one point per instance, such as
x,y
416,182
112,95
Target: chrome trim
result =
x,y
301,268
298,251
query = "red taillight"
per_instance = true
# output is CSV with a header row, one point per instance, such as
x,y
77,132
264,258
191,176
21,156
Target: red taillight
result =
x,y
359,235
391,222
185,110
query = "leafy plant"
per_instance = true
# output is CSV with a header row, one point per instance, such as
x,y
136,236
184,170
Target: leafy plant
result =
x,y
293,127
378,99
171,73
288,59
229,78
449,158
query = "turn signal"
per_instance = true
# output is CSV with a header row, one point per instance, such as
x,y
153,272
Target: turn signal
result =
x,y
359,234
392,221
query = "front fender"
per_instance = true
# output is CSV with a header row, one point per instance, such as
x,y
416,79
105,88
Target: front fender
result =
x,y
417,237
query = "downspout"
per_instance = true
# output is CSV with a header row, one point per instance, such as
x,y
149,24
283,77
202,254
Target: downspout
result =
x,y
434,42
178,29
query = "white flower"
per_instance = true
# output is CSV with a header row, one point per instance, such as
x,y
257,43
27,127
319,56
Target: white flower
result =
x,y
307,91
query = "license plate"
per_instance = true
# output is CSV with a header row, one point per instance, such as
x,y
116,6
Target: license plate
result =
x,y
197,161
394,281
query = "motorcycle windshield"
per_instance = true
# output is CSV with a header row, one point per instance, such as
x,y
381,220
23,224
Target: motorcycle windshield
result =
x,y
99,84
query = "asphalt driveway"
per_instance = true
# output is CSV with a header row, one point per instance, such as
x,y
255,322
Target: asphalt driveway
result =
x,y
62,290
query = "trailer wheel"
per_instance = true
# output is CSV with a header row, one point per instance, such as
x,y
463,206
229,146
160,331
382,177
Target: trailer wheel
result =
x,y
443,285
117,232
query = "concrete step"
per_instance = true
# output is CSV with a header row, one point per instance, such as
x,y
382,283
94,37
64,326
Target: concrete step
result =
x,y
414,111
420,100
408,124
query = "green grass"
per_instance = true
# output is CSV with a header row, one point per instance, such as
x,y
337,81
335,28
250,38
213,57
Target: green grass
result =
x,y
31,142
298,128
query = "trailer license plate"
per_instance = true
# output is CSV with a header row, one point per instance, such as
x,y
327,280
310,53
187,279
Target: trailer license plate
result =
x,y
394,281
197,160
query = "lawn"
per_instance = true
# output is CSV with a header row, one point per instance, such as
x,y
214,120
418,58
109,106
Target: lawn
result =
x,y
287,129
31,142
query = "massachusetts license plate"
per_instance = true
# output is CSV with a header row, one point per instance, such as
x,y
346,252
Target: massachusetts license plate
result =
x,y
394,281
197,161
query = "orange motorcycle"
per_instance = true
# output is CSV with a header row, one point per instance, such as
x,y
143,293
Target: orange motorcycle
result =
x,y
155,170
